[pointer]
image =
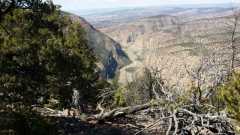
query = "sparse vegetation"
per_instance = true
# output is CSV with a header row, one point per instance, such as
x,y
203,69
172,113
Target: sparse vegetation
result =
x,y
53,83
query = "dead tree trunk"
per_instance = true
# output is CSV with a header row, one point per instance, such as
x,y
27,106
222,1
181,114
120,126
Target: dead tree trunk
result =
x,y
122,111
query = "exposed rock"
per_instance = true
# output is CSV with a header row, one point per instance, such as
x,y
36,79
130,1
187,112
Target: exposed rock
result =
x,y
109,52
174,41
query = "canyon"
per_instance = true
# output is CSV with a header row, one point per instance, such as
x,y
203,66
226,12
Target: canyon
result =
x,y
175,40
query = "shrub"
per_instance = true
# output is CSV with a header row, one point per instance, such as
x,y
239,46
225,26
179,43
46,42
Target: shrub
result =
x,y
229,93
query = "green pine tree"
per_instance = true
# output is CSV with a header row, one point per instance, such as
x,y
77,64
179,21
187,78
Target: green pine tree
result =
x,y
44,55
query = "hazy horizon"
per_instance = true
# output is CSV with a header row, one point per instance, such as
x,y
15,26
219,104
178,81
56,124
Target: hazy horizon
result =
x,y
80,5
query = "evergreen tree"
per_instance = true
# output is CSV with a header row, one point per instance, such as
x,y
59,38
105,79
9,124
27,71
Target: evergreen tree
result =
x,y
44,55
229,93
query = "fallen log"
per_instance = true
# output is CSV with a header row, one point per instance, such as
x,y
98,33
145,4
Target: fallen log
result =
x,y
123,111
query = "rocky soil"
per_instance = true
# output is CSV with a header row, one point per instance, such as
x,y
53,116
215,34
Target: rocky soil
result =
x,y
174,42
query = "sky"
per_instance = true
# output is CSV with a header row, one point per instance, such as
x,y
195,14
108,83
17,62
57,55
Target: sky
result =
x,y
74,5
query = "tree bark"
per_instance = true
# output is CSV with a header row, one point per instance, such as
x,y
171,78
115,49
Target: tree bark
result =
x,y
123,111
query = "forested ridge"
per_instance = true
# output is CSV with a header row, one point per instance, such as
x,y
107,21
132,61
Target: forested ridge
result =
x,y
50,85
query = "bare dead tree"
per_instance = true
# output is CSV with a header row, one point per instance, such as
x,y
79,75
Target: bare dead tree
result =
x,y
232,29
198,79
233,40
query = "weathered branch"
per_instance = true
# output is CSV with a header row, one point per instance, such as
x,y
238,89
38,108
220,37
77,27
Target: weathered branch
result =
x,y
153,124
124,111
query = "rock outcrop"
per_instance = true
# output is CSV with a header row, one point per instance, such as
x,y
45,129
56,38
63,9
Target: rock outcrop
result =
x,y
174,42
110,54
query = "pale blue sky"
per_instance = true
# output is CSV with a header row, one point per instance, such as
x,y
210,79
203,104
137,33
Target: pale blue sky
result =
x,y
73,5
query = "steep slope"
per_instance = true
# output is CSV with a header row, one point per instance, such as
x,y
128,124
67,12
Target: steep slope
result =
x,y
130,33
175,43
109,52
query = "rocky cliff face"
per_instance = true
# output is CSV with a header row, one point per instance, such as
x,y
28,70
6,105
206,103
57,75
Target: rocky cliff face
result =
x,y
130,33
174,43
110,54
